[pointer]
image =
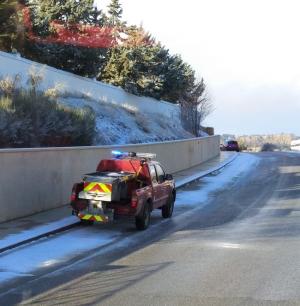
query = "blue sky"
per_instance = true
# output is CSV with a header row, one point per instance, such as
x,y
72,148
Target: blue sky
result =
x,y
247,51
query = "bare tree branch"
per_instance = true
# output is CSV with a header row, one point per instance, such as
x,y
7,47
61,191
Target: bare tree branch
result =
x,y
195,107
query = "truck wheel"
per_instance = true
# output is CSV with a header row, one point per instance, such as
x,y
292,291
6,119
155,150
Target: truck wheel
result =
x,y
167,209
142,221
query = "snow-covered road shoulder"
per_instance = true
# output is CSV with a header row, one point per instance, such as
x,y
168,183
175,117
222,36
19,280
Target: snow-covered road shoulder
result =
x,y
22,262
188,179
202,189
29,235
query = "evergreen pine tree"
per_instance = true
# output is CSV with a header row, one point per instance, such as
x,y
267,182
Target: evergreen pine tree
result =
x,y
137,36
69,12
97,18
138,63
139,70
85,61
11,30
115,12
179,78
148,70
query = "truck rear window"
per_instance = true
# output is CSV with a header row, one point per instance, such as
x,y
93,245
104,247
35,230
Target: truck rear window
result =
x,y
153,174
160,171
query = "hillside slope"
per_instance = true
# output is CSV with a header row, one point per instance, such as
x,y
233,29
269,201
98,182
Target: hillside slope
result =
x,y
117,124
121,118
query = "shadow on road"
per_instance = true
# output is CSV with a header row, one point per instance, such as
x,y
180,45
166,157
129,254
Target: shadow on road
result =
x,y
247,198
98,285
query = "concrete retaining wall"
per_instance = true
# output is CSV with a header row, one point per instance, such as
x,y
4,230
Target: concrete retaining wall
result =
x,y
34,180
11,65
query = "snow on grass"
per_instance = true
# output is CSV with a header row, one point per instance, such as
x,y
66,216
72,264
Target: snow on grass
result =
x,y
125,124
25,260
36,231
122,118
198,193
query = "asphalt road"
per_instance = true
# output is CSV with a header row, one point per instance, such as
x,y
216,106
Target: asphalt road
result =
x,y
242,248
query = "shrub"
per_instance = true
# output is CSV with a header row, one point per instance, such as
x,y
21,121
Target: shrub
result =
x,y
8,85
269,147
30,118
142,123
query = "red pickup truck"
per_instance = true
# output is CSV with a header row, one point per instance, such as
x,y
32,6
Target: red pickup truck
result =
x,y
131,184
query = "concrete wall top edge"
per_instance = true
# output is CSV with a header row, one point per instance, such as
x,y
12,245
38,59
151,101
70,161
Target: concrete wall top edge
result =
x,y
2,151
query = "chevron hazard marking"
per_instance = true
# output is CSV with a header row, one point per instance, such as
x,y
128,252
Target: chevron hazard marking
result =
x,y
97,188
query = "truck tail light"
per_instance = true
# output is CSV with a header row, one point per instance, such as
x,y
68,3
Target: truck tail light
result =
x,y
75,190
73,196
134,200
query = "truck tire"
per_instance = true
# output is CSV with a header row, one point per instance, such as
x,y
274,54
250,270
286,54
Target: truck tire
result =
x,y
142,222
167,209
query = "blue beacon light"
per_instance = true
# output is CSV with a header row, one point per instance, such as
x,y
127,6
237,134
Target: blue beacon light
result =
x,y
117,153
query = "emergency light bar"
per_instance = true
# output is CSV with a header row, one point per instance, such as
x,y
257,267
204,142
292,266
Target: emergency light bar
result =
x,y
146,155
119,154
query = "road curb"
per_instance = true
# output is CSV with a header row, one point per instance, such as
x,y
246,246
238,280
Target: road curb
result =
x,y
53,232
195,177
179,184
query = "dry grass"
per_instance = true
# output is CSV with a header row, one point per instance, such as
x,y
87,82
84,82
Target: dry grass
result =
x,y
54,92
142,123
162,122
31,118
130,109
9,85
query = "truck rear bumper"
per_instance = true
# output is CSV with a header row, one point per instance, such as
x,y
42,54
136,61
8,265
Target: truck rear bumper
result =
x,y
105,218
96,218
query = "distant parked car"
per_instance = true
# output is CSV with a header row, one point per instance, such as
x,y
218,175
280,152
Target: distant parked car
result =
x,y
232,145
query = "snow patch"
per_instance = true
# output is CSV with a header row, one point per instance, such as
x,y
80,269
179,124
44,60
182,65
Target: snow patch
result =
x,y
125,124
203,188
36,231
23,261
122,118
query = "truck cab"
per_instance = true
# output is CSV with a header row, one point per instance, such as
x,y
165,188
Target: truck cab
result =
x,y
129,185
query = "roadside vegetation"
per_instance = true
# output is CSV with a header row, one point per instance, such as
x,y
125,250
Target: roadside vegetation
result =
x,y
266,142
33,118
78,37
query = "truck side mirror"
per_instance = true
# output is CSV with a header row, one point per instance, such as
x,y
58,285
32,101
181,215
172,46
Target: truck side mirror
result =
x,y
161,179
169,177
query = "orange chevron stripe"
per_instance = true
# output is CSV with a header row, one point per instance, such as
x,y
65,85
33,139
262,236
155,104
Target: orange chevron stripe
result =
x,y
97,187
